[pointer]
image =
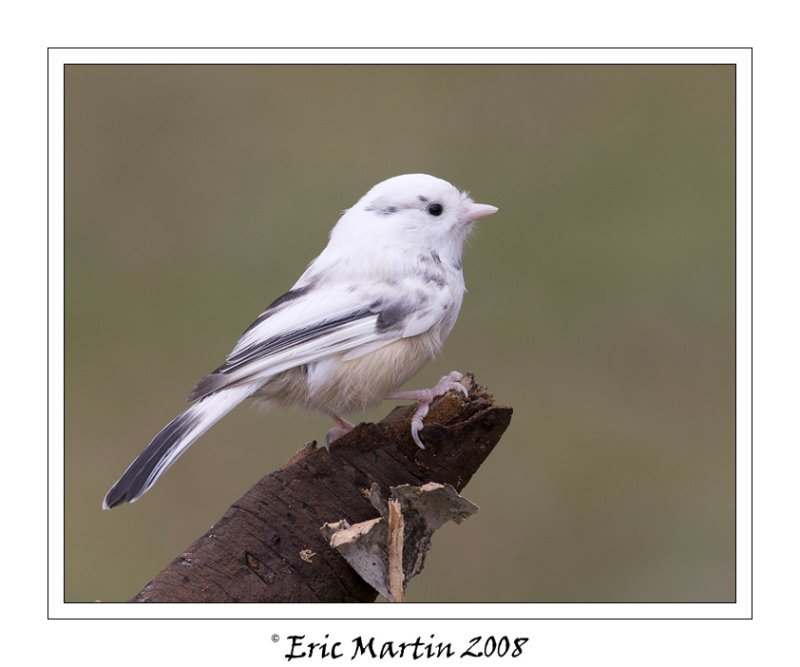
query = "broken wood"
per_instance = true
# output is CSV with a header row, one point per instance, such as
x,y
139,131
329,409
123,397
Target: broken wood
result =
x,y
389,551
268,547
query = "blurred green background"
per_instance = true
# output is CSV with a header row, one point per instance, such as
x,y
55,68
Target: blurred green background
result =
x,y
600,304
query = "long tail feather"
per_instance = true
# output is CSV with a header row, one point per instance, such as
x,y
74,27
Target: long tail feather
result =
x,y
172,441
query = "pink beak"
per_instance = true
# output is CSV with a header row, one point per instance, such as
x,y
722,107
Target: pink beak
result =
x,y
477,211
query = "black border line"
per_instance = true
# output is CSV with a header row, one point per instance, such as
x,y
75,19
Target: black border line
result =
x,y
752,591
47,316
435,48
406,48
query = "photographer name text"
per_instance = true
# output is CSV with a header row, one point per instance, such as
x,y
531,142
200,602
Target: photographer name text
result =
x,y
418,649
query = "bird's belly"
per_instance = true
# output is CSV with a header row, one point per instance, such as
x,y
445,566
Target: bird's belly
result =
x,y
340,386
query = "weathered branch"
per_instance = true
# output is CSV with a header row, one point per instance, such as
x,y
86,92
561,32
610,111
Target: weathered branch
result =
x,y
268,547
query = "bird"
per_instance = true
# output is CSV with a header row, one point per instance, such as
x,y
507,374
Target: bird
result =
x,y
366,315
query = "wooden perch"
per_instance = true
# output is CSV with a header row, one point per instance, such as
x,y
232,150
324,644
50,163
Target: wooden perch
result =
x,y
268,547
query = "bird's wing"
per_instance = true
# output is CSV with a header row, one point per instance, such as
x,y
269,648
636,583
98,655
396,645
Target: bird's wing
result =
x,y
311,323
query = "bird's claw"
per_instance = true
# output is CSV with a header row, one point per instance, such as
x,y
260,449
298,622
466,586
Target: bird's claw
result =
x,y
425,397
450,382
417,424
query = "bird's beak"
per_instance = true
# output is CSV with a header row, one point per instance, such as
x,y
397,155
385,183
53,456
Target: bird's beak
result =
x,y
477,211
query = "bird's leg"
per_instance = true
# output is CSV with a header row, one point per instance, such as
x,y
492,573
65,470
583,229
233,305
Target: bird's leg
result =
x,y
337,432
424,397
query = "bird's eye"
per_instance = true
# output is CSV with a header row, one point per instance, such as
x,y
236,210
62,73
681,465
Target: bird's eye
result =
x,y
435,209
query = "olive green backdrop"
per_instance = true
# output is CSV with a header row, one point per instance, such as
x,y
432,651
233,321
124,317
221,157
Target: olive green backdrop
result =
x,y
600,304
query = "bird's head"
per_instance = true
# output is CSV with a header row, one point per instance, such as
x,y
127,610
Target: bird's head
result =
x,y
413,210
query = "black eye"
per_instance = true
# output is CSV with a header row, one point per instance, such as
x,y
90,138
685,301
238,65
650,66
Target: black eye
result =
x,y
435,209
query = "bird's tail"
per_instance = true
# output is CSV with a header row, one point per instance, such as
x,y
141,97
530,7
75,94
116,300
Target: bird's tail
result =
x,y
172,441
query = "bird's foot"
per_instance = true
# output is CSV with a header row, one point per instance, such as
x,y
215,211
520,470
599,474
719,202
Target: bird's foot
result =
x,y
424,397
334,433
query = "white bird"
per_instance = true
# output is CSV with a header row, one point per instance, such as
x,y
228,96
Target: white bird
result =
x,y
367,314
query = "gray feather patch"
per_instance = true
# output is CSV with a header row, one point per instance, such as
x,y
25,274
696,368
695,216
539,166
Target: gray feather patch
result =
x,y
435,278
392,315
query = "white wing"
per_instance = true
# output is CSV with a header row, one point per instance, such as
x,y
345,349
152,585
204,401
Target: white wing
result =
x,y
311,323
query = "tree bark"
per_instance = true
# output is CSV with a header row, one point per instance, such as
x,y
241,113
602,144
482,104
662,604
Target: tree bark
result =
x,y
267,547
